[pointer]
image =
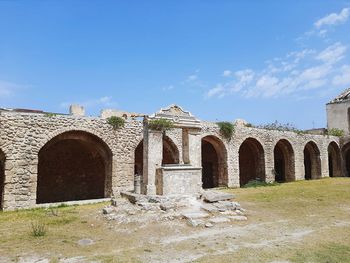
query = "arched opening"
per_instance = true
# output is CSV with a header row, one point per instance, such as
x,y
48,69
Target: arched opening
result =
x,y
334,164
2,177
170,155
214,162
138,166
251,161
74,165
284,162
312,161
346,158
170,152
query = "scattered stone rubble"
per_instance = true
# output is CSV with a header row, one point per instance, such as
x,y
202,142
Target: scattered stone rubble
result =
x,y
205,210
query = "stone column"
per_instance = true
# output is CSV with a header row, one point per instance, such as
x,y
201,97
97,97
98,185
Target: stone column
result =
x,y
152,158
269,165
194,148
299,161
324,162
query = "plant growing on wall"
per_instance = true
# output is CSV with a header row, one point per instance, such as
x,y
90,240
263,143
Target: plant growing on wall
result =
x,y
116,122
49,114
335,132
226,129
160,124
277,127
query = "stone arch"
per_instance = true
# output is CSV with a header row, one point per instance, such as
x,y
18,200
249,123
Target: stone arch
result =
x,y
2,177
251,161
214,162
346,158
74,165
170,152
312,161
284,163
334,160
51,135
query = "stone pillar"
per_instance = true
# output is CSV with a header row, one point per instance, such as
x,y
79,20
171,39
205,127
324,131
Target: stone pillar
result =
x,y
194,148
269,165
152,158
324,162
185,147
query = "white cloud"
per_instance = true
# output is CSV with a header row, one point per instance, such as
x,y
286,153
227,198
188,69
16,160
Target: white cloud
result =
x,y
294,74
192,77
343,78
218,91
105,101
243,78
333,18
9,88
170,87
227,73
333,53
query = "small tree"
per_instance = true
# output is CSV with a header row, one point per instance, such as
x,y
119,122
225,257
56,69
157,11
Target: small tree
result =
x,y
226,129
335,132
116,122
160,124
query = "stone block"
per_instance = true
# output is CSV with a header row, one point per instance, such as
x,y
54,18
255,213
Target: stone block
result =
x,y
211,196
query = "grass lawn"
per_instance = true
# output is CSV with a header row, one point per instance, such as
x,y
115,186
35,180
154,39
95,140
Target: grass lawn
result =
x,y
306,221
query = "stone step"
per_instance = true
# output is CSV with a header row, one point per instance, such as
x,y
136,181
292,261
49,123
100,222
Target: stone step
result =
x,y
194,215
212,196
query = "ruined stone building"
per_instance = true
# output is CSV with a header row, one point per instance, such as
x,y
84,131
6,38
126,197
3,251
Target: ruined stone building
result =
x,y
48,158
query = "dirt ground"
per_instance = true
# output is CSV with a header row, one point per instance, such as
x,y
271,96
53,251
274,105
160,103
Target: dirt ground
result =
x,y
306,221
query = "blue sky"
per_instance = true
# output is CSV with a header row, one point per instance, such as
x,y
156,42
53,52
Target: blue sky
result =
x,y
222,60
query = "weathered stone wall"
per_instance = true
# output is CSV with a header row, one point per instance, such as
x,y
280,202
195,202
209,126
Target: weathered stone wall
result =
x,y
22,135
338,116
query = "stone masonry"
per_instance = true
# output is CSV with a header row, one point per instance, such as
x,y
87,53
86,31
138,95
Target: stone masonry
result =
x,y
23,134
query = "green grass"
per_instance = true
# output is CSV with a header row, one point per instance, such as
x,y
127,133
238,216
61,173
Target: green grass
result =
x,y
273,211
256,183
326,253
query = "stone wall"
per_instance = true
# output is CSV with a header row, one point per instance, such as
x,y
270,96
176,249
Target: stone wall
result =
x,y
338,116
22,135
268,139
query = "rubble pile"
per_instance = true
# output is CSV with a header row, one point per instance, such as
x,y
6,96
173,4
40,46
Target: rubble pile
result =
x,y
205,210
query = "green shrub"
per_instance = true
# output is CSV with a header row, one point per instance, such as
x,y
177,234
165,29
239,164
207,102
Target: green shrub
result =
x,y
160,124
258,183
335,132
49,115
278,127
38,229
226,129
116,122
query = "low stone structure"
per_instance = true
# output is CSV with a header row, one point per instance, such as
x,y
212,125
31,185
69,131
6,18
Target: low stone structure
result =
x,y
47,158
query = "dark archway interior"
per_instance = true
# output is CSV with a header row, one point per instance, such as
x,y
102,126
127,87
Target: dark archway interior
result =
x,y
138,167
214,166
170,152
347,162
346,158
209,165
312,161
170,155
74,166
251,161
2,176
284,162
334,161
